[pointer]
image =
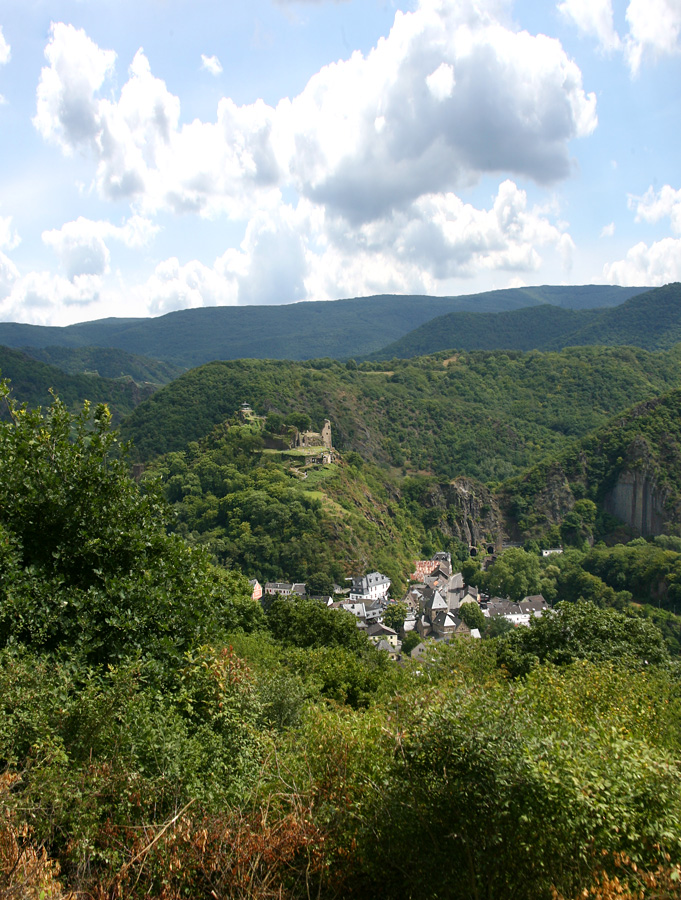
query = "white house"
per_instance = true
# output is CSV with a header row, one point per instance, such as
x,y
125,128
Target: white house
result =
x,y
373,586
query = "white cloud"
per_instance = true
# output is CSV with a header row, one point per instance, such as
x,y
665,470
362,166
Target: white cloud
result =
x,y
5,55
67,111
5,49
211,64
654,28
173,286
608,230
516,101
42,298
9,239
271,265
651,265
81,245
8,276
450,94
654,206
441,82
431,244
594,18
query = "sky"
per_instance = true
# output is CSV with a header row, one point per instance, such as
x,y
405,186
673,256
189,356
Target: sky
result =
x,y
157,155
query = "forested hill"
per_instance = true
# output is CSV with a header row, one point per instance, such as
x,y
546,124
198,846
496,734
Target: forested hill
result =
x,y
33,380
340,329
106,362
488,415
636,455
651,320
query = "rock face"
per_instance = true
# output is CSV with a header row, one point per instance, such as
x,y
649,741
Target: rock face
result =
x,y
637,500
472,512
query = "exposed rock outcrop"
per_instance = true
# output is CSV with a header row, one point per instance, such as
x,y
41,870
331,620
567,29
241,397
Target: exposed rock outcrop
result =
x,y
470,512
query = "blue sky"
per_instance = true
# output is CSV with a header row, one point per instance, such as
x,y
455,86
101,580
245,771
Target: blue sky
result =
x,y
162,154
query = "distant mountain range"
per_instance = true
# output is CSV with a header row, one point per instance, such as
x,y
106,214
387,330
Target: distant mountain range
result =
x,y
651,320
340,329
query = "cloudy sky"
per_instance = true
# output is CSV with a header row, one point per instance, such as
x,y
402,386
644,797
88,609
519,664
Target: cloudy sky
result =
x,y
163,154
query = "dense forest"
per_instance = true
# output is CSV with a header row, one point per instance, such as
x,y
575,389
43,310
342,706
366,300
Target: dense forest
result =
x,y
218,749
340,329
651,320
34,381
487,415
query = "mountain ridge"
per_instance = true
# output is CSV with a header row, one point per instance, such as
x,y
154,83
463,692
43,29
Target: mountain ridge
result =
x,y
340,329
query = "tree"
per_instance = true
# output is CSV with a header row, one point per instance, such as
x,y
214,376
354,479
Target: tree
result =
x,y
395,615
582,631
472,615
411,639
88,567
517,574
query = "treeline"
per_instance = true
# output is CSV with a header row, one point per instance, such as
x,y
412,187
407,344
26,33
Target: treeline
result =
x,y
163,736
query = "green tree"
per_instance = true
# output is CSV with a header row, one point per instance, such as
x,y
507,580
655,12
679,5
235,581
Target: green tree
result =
x,y
395,615
88,567
516,574
472,615
582,630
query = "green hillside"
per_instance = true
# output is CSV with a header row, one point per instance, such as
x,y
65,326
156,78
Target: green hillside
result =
x,y
631,467
261,511
487,415
340,329
33,380
105,362
651,320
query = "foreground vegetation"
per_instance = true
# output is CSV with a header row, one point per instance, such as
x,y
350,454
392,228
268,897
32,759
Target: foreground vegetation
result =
x,y
162,736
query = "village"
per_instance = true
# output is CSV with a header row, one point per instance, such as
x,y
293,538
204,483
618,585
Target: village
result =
x,y
432,609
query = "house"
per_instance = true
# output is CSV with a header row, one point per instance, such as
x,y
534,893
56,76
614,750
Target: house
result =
x,y
499,606
278,587
379,632
388,648
373,586
256,589
534,605
357,609
425,567
285,588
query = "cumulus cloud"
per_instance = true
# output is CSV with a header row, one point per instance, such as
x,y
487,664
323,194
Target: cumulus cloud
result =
x,y
68,112
8,276
9,239
430,245
660,262
652,265
656,205
608,230
5,49
174,286
5,54
211,64
593,18
448,95
654,28
81,245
